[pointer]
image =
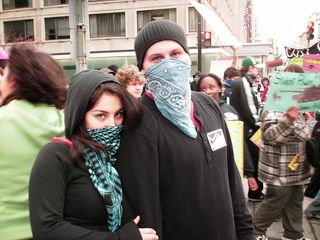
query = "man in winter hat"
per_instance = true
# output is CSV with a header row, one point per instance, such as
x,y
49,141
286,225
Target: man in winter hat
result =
x,y
177,167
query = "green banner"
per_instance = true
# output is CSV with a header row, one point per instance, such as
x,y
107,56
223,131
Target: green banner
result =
x,y
294,89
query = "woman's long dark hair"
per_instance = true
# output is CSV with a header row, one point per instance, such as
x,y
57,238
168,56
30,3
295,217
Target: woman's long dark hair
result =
x,y
3,63
37,77
132,115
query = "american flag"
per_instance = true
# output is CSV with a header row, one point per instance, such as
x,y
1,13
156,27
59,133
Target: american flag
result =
x,y
246,16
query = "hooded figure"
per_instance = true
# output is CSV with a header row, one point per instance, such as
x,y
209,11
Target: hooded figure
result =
x,y
77,172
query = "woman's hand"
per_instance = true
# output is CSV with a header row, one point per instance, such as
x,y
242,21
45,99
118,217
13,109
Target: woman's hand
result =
x,y
146,233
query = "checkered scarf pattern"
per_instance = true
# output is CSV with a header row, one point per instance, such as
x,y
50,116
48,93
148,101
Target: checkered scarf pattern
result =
x,y
103,175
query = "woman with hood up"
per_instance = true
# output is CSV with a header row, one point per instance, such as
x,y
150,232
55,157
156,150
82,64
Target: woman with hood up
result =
x,y
75,192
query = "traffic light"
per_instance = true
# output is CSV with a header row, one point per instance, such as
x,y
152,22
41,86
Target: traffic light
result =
x,y
206,39
310,30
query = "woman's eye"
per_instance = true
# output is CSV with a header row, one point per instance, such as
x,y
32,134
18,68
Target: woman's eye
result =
x,y
100,116
119,115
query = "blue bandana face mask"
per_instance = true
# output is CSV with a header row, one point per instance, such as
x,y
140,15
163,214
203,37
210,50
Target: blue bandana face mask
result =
x,y
168,81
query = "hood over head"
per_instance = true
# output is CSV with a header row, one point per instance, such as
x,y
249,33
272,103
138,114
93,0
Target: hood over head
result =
x,y
82,86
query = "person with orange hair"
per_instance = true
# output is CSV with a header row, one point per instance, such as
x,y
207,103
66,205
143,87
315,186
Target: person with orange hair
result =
x,y
132,80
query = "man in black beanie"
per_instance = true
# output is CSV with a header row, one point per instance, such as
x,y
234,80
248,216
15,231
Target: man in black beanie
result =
x,y
177,167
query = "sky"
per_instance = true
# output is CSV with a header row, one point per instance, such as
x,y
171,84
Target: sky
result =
x,y
283,20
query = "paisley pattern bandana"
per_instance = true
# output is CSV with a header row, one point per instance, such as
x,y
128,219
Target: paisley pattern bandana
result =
x,y
168,81
103,175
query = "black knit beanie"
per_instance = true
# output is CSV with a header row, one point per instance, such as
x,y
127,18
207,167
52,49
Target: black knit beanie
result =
x,y
82,86
157,31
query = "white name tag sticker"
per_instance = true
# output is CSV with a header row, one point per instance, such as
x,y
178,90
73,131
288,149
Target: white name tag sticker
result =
x,y
216,139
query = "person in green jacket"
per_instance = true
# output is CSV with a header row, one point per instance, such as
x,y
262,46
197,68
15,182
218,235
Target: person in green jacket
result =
x,y
32,95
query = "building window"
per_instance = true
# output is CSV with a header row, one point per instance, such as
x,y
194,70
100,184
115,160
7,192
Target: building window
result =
x,y
55,2
12,4
193,19
19,31
107,25
145,17
57,28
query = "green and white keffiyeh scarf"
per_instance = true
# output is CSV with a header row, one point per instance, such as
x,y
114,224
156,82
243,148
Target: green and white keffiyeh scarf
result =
x,y
103,175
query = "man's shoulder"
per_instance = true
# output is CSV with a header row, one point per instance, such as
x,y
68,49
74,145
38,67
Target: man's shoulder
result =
x,y
237,88
238,82
207,102
150,110
202,98
148,125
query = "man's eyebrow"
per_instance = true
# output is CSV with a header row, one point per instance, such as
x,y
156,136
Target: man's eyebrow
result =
x,y
177,49
155,54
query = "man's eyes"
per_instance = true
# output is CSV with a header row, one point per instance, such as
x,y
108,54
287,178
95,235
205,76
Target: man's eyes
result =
x,y
157,58
174,54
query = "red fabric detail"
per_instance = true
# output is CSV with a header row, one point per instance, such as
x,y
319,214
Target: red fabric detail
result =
x,y
264,94
194,120
149,94
64,140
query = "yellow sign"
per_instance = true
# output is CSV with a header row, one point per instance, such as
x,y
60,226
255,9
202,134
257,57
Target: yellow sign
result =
x,y
257,138
236,133
296,60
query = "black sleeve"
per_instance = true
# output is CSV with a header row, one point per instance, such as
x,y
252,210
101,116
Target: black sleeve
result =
x,y
48,183
138,167
239,101
247,163
242,216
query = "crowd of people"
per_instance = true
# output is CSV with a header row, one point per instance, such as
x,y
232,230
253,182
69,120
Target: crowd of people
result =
x,y
132,153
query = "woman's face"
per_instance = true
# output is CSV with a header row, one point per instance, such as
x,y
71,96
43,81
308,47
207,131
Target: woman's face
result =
x,y
135,88
6,84
210,86
108,111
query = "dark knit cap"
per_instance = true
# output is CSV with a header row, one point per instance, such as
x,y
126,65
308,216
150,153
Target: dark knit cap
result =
x,y
82,86
157,31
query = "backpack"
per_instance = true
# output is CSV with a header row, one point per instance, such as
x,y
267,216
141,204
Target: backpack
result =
x,y
313,147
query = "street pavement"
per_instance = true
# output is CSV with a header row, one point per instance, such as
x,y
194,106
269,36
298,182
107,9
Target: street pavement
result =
x,y
311,227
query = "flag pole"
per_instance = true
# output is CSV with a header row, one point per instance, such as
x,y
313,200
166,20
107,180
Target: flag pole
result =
x,y
199,41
